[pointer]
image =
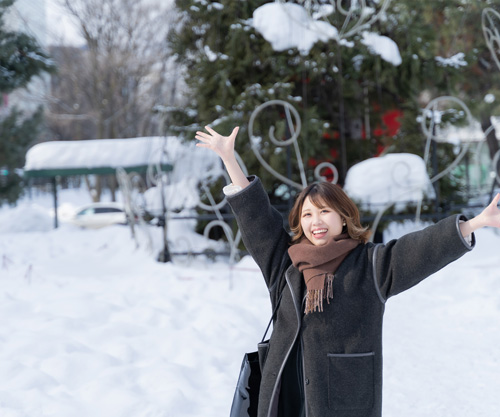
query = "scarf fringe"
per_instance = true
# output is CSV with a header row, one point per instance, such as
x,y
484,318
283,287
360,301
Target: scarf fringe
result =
x,y
314,298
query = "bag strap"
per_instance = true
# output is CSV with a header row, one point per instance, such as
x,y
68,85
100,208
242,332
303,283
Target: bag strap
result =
x,y
273,316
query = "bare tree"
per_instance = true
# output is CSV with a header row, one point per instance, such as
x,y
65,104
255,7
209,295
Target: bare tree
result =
x,y
121,73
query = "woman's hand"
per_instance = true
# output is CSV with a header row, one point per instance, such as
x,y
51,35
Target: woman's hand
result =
x,y
224,147
221,145
490,216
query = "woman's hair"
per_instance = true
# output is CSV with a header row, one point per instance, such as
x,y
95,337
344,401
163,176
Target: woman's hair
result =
x,y
334,197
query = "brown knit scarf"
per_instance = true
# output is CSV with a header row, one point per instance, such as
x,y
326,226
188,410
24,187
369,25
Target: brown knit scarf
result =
x,y
318,265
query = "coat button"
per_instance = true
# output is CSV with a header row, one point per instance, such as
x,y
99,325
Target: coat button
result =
x,y
307,381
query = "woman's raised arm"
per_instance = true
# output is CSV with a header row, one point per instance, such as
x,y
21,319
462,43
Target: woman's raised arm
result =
x,y
224,147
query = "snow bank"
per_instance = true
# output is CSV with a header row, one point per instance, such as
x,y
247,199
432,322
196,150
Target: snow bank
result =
x,y
393,178
25,218
91,325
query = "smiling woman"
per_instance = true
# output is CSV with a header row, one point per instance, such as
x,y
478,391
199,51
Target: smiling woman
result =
x,y
326,358
325,196
320,223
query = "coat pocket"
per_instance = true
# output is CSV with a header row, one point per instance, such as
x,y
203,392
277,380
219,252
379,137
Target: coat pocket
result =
x,y
351,381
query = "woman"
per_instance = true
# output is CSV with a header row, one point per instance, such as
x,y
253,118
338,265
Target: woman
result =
x,y
325,354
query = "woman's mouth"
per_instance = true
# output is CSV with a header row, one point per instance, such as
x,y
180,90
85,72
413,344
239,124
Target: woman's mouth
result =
x,y
319,233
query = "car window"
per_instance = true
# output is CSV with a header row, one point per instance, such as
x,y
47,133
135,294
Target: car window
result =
x,y
107,210
86,212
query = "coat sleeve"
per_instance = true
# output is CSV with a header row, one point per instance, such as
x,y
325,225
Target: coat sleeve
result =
x,y
262,230
403,263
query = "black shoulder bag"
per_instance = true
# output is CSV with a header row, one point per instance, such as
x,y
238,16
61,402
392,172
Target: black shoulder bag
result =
x,y
246,396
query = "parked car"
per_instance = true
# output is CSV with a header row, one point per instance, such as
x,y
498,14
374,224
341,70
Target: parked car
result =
x,y
98,215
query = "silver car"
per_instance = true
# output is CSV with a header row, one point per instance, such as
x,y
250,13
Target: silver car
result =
x,y
97,215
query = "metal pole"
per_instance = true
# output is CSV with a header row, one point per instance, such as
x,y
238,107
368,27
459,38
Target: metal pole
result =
x,y
164,255
54,191
343,151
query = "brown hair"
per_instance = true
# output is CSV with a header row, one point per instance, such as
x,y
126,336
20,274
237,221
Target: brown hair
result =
x,y
334,197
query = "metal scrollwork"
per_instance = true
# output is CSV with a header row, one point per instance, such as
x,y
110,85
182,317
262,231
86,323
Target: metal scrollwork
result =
x,y
205,187
491,31
431,123
294,126
326,165
434,125
494,164
233,241
433,113
478,155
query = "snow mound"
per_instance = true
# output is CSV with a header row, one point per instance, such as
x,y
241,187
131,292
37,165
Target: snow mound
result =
x,y
25,218
394,178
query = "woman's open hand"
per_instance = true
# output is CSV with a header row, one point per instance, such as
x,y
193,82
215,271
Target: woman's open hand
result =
x,y
221,145
224,147
490,216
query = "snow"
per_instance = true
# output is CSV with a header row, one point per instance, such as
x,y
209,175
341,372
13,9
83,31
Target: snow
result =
x,y
91,325
383,46
456,61
394,178
27,218
489,98
288,26
100,153
212,56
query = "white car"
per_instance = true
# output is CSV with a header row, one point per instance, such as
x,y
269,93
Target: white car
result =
x,y
97,215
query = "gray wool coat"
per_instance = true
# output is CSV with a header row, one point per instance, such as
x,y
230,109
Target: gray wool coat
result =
x,y
341,347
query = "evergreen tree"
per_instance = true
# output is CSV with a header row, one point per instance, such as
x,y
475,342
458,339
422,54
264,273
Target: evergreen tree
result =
x,y
21,58
231,69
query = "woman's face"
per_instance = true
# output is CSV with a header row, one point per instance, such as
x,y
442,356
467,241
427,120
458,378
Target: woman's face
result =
x,y
320,224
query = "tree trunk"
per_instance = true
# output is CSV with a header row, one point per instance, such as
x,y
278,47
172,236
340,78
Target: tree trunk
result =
x,y
94,190
113,186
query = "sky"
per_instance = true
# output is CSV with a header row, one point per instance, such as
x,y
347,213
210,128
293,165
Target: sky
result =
x,y
60,26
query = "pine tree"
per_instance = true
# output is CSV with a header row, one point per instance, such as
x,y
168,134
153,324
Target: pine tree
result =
x,y
231,69
21,58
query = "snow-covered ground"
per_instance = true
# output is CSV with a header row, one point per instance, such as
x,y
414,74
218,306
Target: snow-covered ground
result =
x,y
91,325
